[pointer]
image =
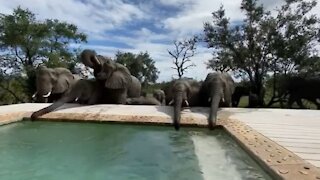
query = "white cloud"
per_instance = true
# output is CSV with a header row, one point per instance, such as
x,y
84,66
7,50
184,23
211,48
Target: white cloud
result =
x,y
94,17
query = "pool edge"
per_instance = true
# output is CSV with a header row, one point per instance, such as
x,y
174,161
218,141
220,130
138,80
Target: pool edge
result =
x,y
279,162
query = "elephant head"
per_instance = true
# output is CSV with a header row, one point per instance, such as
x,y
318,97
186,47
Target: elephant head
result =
x,y
52,81
180,92
90,59
160,96
115,75
217,89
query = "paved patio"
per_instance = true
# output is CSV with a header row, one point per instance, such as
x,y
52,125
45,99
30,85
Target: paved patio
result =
x,y
287,142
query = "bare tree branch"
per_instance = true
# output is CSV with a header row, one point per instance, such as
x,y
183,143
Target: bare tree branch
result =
x,y
183,51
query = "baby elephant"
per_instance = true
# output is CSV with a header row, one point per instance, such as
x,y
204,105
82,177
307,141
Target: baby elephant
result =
x,y
160,96
143,100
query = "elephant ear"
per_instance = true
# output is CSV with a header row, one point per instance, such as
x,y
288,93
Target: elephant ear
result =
x,y
227,90
119,79
61,85
54,75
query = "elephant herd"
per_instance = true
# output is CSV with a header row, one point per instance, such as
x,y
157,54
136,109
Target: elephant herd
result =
x,y
113,84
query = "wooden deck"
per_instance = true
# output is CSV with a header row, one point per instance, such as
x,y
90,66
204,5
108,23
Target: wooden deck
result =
x,y
296,130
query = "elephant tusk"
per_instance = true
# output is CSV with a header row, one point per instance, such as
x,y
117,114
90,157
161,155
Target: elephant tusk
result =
x,y
209,99
187,103
34,95
76,99
171,102
222,100
47,95
97,60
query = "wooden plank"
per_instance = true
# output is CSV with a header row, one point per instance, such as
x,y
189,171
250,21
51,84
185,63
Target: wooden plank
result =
x,y
309,141
310,123
292,136
280,128
301,145
284,131
308,156
305,150
315,162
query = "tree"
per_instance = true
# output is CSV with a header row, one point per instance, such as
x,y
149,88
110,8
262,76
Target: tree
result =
x,y
181,54
262,43
26,42
141,65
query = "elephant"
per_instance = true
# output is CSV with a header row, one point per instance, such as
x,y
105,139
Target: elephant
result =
x,y
181,93
298,88
85,91
243,89
119,83
53,83
160,96
90,59
239,91
143,100
216,90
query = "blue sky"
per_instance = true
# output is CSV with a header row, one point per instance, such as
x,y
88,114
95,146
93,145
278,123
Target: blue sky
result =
x,y
138,25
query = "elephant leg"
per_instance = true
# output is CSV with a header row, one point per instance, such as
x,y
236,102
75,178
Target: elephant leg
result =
x,y
290,102
300,104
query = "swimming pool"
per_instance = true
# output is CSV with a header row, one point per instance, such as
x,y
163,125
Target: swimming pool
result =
x,y
69,150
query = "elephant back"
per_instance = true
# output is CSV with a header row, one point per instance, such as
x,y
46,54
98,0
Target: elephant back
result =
x,y
134,88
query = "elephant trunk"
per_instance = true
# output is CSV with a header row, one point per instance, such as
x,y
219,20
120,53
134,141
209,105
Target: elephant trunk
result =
x,y
177,110
52,107
215,101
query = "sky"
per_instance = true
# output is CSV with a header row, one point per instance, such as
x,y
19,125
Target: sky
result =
x,y
139,25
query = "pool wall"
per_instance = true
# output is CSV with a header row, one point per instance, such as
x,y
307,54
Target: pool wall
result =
x,y
275,159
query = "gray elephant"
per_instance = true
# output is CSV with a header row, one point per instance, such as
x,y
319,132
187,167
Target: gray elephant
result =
x,y
84,92
53,83
216,91
241,89
160,96
182,93
143,100
119,83
298,88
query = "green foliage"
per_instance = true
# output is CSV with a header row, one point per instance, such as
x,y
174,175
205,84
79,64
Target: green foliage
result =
x,y
264,43
141,65
149,88
26,42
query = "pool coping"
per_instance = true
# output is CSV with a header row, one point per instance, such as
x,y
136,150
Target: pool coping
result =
x,y
278,161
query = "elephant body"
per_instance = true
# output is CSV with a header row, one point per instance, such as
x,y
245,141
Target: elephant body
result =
x,y
160,96
182,93
119,84
142,100
299,88
84,92
53,83
239,91
244,90
216,90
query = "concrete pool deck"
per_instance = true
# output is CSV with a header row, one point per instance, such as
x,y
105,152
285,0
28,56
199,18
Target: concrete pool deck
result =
x,y
285,142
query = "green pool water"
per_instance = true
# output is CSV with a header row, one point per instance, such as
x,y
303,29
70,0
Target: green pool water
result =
x,y
65,150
